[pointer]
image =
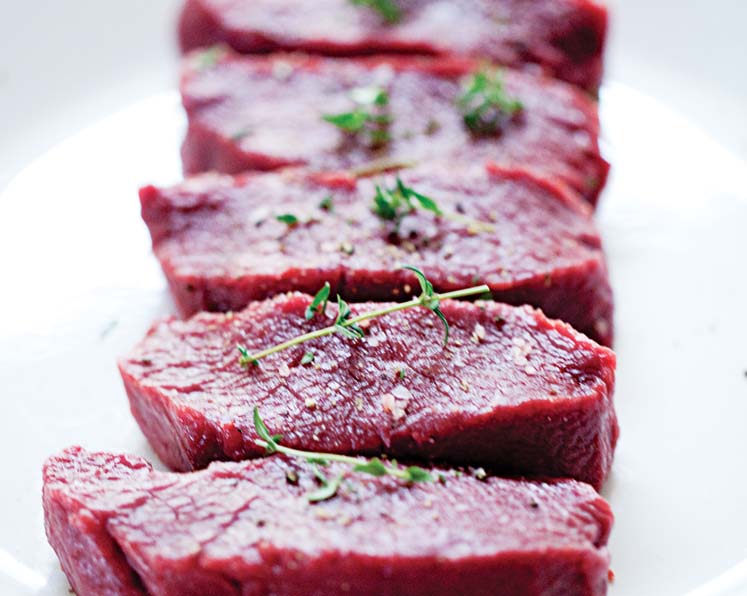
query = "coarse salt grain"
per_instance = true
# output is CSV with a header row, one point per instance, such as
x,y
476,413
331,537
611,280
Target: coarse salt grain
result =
x,y
478,334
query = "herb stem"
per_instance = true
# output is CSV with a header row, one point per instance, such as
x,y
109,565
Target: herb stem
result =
x,y
418,301
320,455
288,344
473,225
373,466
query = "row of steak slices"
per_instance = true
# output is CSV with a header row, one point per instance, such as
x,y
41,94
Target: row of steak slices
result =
x,y
513,391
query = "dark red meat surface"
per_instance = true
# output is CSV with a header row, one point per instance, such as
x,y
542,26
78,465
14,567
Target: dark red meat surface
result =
x,y
563,38
221,246
263,113
122,529
512,390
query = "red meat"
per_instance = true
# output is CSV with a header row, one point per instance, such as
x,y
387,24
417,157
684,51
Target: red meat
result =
x,y
563,38
220,244
265,113
512,390
122,529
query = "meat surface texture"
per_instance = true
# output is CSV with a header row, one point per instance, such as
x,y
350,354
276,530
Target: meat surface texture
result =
x,y
122,529
221,245
512,390
264,113
562,38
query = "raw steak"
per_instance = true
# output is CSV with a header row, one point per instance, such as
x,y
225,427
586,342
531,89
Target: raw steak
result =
x,y
121,529
512,390
563,38
220,244
263,113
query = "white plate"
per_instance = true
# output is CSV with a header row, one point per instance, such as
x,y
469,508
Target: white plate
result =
x,y
80,288
78,285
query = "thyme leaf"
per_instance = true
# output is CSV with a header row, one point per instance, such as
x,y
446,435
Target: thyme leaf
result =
x,y
328,489
393,204
319,303
209,57
485,106
373,466
429,299
388,9
370,117
343,324
288,218
245,358
326,204
271,442
308,358
416,474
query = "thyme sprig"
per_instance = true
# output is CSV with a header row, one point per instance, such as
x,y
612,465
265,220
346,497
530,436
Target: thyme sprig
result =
x,y
485,105
388,9
393,204
370,117
374,466
347,325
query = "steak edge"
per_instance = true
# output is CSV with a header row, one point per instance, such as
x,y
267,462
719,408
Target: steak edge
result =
x,y
122,529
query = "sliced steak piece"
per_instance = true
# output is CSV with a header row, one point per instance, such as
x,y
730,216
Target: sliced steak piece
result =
x,y
563,38
121,528
220,244
263,113
512,390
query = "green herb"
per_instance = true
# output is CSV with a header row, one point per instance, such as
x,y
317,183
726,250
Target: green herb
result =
x,y
347,325
288,218
374,466
429,299
388,9
326,204
308,358
327,490
393,204
484,104
245,358
209,57
370,117
319,303
401,373
343,323
240,134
